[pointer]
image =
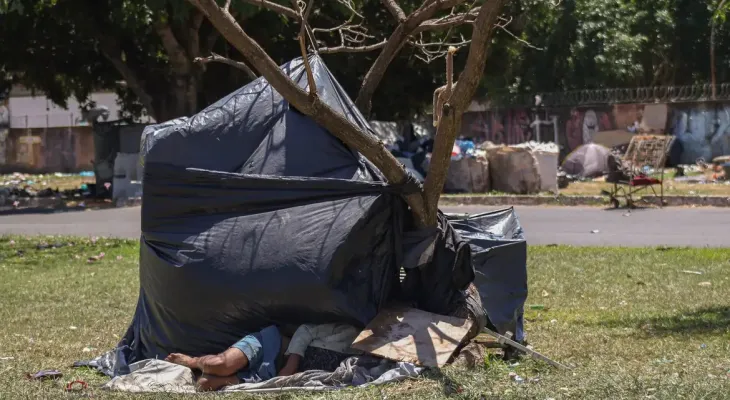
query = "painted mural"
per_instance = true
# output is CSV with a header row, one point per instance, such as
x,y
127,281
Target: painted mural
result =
x,y
574,126
702,129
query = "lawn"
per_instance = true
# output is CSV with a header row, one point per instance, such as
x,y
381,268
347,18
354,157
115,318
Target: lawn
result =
x,y
630,321
671,188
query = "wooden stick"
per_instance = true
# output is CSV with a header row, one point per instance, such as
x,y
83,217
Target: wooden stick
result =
x,y
504,340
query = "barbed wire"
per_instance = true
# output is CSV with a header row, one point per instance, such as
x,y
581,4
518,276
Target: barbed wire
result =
x,y
656,94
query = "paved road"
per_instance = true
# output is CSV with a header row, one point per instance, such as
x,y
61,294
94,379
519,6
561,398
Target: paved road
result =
x,y
697,227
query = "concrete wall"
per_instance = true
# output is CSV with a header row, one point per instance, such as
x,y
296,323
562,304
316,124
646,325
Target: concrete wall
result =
x,y
37,135
703,128
48,150
27,111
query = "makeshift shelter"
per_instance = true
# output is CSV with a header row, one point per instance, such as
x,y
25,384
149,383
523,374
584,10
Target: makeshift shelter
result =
x,y
587,161
254,215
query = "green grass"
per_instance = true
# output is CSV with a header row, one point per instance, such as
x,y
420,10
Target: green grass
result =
x,y
630,321
590,188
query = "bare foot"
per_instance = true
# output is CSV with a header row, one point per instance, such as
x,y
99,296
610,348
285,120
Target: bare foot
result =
x,y
182,359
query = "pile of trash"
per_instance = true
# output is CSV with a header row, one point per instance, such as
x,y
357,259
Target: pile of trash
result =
x,y
481,167
20,190
703,173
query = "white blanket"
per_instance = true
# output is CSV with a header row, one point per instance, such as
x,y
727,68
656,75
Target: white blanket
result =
x,y
149,376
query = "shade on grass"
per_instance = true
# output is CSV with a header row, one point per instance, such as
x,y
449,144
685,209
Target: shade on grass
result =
x,y
630,320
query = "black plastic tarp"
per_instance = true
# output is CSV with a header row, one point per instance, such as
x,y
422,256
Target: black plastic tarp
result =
x,y
499,256
254,215
255,131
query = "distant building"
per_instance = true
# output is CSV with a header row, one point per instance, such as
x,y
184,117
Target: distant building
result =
x,y
37,135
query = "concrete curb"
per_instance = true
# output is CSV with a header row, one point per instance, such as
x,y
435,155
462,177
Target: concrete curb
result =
x,y
527,200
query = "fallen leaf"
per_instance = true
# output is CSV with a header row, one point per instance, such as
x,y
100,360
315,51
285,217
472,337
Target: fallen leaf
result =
x,y
705,284
73,328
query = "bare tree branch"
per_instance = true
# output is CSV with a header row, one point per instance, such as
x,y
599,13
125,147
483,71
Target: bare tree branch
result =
x,y
350,6
352,49
227,5
270,5
431,51
395,9
312,106
503,27
447,22
304,16
458,102
524,42
352,45
393,45
213,57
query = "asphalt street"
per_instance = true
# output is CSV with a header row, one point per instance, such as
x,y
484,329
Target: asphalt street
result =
x,y
579,226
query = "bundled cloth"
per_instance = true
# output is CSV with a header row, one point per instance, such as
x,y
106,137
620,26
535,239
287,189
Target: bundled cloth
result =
x,y
157,376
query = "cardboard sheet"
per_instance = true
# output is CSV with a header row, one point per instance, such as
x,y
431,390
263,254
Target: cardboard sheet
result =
x,y
408,334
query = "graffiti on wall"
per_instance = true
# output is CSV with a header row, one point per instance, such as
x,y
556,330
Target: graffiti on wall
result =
x,y
703,130
572,126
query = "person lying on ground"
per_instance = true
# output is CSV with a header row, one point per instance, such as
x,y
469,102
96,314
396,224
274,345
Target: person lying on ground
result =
x,y
255,358
319,347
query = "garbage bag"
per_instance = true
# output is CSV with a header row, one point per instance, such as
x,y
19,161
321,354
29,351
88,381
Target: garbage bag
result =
x,y
253,215
499,256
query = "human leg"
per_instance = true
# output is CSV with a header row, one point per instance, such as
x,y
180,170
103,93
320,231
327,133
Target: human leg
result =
x,y
224,364
207,383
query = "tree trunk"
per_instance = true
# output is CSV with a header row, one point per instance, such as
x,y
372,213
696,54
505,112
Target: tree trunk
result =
x,y
454,108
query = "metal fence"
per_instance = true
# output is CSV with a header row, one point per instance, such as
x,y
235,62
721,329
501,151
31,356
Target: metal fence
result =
x,y
656,94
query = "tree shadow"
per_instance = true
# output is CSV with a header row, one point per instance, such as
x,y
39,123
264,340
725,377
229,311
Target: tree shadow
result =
x,y
708,320
448,385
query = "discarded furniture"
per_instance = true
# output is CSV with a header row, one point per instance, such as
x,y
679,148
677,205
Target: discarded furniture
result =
x,y
632,173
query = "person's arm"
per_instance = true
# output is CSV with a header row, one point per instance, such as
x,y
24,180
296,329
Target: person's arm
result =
x,y
292,365
295,352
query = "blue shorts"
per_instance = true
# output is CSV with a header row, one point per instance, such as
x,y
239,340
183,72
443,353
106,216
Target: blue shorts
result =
x,y
262,349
